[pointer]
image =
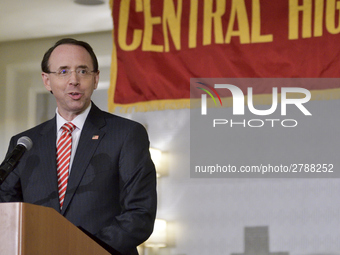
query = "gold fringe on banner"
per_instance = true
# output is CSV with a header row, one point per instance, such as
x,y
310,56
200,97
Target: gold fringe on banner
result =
x,y
156,105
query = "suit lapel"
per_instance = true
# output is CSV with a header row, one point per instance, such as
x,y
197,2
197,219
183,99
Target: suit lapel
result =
x,y
48,163
90,138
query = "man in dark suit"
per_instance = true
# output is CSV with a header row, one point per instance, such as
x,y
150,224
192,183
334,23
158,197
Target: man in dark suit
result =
x,y
111,183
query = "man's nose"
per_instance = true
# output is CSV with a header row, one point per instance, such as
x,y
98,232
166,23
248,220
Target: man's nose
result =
x,y
74,78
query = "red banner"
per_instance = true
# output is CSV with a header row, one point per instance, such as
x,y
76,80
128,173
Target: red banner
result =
x,y
160,44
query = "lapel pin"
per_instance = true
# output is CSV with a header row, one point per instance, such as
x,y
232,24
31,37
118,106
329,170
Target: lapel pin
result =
x,y
95,137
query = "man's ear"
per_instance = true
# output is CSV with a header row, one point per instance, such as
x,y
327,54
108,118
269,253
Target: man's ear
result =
x,y
46,81
96,80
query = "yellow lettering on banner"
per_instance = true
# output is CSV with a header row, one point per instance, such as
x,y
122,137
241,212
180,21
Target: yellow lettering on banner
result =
x,y
318,18
123,26
173,21
294,10
210,17
239,13
193,23
149,22
256,36
330,16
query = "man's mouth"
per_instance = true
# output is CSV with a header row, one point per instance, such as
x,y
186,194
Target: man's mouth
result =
x,y
75,95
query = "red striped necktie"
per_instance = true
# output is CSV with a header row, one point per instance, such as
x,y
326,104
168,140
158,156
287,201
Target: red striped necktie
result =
x,y
64,146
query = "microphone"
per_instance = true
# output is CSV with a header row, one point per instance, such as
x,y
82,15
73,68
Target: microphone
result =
x,y
7,166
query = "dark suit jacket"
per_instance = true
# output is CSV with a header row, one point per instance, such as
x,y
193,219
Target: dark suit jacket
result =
x,y
111,191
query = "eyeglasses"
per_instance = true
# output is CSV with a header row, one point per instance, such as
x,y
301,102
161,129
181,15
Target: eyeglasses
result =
x,y
66,73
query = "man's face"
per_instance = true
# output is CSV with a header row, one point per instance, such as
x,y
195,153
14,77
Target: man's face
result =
x,y
72,92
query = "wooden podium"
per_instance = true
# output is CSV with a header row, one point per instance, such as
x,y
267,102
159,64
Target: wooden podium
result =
x,y
27,229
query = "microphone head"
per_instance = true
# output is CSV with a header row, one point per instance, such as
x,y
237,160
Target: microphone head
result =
x,y
26,142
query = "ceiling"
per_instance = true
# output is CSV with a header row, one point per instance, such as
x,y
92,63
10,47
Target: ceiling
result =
x,y
27,19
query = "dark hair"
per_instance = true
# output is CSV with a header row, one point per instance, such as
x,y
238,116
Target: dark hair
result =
x,y
45,65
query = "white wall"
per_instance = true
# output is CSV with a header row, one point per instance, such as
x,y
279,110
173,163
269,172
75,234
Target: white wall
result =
x,y
206,216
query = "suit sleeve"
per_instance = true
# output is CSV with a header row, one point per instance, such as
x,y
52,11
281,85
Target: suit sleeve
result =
x,y
137,195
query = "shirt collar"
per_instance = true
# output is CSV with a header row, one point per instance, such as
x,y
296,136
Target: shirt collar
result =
x,y
78,121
